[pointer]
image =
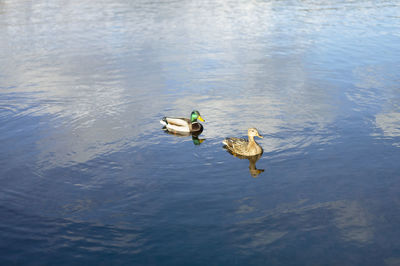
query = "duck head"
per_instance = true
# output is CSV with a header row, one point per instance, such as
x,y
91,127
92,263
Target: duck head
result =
x,y
253,132
195,115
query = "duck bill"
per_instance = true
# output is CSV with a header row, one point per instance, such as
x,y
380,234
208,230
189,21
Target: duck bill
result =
x,y
261,137
200,118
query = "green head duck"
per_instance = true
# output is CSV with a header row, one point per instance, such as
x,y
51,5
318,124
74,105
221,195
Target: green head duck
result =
x,y
196,115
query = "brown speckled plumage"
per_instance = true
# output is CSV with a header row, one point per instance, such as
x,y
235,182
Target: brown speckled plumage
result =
x,y
243,146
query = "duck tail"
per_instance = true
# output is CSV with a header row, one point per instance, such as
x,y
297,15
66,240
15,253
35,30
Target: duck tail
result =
x,y
164,121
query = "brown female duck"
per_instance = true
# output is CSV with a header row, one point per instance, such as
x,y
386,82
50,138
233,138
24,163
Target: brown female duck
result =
x,y
243,146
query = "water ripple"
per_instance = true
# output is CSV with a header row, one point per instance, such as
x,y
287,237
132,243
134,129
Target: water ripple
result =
x,y
88,175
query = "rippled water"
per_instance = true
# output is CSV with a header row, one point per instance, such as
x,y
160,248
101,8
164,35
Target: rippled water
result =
x,y
88,177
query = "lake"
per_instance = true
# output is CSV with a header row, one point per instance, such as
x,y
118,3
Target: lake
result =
x,y
88,176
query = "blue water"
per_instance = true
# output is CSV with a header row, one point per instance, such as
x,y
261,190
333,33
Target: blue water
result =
x,y
88,177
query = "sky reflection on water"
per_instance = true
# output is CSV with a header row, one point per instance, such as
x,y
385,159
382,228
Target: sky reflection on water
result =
x,y
89,175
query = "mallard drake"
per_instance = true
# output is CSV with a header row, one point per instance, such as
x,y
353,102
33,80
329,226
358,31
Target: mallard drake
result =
x,y
243,146
184,125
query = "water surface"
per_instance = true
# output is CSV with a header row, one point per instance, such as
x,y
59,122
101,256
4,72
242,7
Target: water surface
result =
x,y
88,177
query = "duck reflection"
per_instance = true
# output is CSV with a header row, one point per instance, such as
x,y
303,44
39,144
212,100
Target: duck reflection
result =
x,y
195,137
254,172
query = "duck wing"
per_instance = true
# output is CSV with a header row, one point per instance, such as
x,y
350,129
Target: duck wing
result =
x,y
236,145
176,124
177,121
